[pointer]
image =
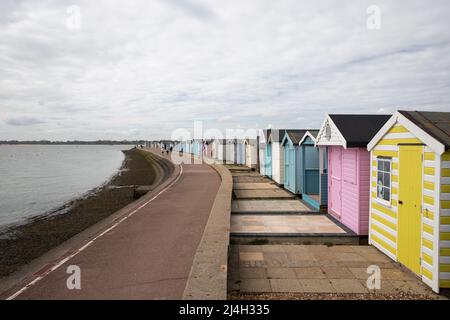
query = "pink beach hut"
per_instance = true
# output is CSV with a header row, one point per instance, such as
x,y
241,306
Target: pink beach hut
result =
x,y
346,137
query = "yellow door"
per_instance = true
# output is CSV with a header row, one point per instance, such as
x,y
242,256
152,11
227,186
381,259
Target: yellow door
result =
x,y
409,207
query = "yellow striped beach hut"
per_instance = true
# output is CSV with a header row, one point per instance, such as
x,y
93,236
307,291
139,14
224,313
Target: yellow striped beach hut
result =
x,y
410,193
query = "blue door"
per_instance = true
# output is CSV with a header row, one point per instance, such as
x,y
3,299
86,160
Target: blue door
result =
x,y
289,165
268,162
311,177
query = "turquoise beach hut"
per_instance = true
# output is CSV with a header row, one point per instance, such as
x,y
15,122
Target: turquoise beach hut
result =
x,y
309,170
292,158
268,155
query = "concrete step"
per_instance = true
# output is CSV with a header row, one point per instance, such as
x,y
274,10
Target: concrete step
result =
x,y
273,194
313,228
254,186
272,206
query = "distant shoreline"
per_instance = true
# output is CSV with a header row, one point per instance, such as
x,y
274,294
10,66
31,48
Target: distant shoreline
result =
x,y
71,143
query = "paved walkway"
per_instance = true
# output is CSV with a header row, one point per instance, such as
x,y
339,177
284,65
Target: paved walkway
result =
x,y
269,206
315,269
262,209
284,225
149,255
263,194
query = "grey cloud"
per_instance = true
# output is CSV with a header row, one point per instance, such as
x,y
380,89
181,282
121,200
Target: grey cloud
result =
x,y
23,121
192,8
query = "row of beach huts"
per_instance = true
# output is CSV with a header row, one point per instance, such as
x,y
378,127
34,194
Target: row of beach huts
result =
x,y
382,176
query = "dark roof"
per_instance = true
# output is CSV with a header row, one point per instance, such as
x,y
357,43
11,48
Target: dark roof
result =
x,y
279,132
436,124
296,135
314,132
359,129
266,134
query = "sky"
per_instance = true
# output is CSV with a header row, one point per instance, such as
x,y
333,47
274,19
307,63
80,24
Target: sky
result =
x,y
113,69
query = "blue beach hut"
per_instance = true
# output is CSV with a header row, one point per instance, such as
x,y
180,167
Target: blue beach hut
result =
x,y
292,159
309,171
268,155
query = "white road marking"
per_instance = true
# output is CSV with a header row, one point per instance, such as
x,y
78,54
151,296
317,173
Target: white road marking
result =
x,y
87,245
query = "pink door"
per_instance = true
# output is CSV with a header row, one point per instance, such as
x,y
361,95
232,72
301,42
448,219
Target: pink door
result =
x,y
335,183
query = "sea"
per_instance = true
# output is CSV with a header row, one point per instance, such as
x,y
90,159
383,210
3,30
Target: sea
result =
x,y
38,179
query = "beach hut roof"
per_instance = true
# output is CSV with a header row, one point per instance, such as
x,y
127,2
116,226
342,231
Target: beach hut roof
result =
x,y
312,133
276,135
266,133
433,128
436,124
358,129
296,135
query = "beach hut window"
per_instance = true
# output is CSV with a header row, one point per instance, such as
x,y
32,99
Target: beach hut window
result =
x,y
384,166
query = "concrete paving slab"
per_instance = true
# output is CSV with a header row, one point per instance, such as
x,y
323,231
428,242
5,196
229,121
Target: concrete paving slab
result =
x,y
338,273
359,273
251,256
253,273
276,259
263,194
348,286
285,285
309,273
281,273
316,285
254,186
287,224
386,287
251,179
269,206
255,285
238,173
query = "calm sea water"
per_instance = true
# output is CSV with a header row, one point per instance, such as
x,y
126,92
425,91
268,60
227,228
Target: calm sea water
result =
x,y
37,179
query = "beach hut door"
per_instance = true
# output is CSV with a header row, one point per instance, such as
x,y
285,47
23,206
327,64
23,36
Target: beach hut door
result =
x,y
409,206
335,179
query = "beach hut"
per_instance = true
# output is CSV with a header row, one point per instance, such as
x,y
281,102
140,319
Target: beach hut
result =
x,y
277,155
262,158
262,152
410,198
251,150
220,150
240,151
310,171
230,151
292,158
346,138
268,154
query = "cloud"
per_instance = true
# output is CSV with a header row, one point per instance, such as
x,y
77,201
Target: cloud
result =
x,y
146,68
23,121
225,118
192,8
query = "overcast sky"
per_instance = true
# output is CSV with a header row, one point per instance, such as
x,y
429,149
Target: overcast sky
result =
x,y
140,69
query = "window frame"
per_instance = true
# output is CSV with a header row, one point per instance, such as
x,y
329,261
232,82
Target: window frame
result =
x,y
381,200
